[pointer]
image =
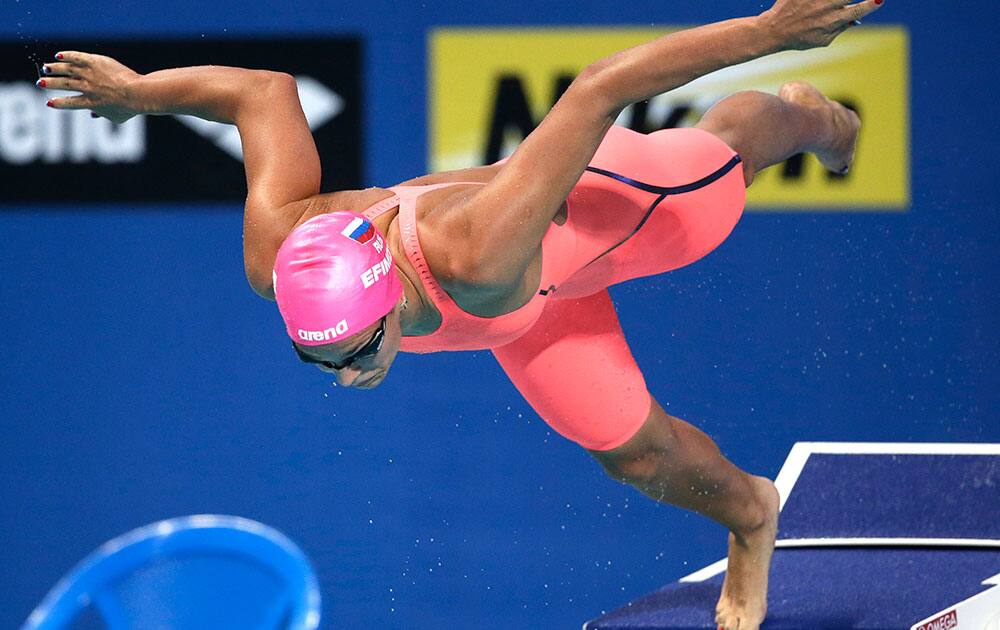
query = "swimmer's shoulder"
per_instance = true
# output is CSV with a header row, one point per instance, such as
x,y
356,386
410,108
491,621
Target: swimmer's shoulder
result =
x,y
480,174
447,249
350,200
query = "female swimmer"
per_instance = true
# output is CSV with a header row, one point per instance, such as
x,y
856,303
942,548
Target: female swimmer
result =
x,y
517,256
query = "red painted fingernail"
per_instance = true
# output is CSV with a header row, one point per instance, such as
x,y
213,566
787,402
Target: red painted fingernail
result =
x,y
879,1
50,103
59,56
40,83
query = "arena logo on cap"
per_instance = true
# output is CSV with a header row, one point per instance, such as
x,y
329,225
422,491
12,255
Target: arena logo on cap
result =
x,y
480,111
946,621
324,335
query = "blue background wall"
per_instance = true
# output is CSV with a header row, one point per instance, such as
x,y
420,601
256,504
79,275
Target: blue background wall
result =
x,y
440,500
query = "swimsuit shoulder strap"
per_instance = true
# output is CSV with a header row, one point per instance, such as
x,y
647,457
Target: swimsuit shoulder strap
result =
x,y
381,207
411,243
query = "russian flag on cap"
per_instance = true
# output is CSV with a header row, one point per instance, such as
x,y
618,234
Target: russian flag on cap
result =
x,y
359,230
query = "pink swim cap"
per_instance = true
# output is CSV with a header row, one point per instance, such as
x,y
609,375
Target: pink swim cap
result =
x,y
333,277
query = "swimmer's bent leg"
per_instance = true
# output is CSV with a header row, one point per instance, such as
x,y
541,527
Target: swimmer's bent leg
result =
x,y
766,129
576,370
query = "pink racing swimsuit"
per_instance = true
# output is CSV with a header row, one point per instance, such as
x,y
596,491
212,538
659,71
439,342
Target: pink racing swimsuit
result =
x,y
646,204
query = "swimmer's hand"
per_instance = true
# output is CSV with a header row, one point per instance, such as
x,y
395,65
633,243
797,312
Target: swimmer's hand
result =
x,y
104,85
804,24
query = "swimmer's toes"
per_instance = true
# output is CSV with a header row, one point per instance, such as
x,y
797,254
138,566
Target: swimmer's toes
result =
x,y
728,621
836,151
800,92
841,153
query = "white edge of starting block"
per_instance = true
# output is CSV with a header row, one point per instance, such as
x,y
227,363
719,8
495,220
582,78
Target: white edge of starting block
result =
x,y
979,611
801,451
796,462
793,543
718,567
708,572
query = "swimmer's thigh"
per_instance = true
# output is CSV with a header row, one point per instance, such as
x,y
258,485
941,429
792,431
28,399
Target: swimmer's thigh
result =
x,y
659,202
576,370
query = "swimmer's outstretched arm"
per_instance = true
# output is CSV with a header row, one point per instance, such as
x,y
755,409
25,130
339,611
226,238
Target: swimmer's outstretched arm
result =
x,y
504,222
279,154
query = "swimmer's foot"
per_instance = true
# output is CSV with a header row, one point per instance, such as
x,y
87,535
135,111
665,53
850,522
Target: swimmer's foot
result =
x,y
836,150
743,604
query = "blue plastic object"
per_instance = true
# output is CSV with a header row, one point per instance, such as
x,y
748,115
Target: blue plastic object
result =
x,y
203,571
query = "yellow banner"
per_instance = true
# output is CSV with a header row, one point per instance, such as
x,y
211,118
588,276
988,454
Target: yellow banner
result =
x,y
489,87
